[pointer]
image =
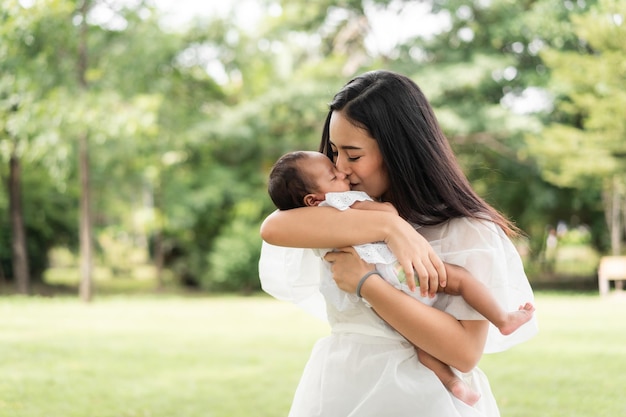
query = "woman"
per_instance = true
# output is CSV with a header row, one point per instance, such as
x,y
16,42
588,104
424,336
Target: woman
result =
x,y
382,133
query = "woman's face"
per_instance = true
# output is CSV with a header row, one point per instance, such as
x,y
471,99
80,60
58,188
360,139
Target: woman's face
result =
x,y
357,155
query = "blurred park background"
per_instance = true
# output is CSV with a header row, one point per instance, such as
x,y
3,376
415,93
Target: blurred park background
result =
x,y
135,141
137,145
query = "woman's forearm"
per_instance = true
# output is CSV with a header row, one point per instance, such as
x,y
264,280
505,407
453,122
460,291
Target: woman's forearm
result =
x,y
457,343
326,227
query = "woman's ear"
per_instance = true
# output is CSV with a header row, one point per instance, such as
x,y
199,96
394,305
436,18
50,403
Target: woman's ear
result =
x,y
311,200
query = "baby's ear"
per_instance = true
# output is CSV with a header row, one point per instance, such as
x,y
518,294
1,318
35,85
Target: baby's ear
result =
x,y
311,200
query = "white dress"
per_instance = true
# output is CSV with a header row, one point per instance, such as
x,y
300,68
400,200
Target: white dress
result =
x,y
364,368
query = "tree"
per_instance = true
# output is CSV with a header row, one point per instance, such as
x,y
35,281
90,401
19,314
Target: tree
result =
x,y
47,72
24,81
583,146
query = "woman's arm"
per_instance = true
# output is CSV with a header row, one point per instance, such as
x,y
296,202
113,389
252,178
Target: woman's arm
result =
x,y
326,227
457,343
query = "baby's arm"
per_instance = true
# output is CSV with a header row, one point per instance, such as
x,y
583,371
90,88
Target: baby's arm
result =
x,y
374,205
477,295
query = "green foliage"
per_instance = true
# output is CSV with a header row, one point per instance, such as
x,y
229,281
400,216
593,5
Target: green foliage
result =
x,y
233,264
584,142
185,124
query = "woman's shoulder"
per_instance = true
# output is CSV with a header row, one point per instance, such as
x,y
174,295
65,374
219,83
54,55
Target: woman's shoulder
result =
x,y
481,225
472,233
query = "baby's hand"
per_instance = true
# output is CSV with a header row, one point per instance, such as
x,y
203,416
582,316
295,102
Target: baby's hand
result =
x,y
374,205
390,208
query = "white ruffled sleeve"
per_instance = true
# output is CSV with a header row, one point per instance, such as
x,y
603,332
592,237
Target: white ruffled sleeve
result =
x,y
293,274
488,254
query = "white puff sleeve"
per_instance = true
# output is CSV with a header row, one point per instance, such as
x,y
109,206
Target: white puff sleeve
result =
x,y
293,274
488,254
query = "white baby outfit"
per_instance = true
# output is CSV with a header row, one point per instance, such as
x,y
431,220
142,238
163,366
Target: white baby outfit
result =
x,y
364,368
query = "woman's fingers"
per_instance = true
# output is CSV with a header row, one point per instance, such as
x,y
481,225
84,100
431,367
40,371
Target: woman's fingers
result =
x,y
435,276
338,253
428,279
347,268
427,270
440,268
417,273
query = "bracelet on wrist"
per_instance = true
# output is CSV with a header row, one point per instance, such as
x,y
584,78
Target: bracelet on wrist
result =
x,y
362,281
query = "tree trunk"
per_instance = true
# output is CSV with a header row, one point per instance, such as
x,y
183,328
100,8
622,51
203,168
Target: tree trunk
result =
x,y
616,224
613,202
85,222
159,255
86,240
158,258
21,274
616,217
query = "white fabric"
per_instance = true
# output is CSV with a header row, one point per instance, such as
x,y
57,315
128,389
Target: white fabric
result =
x,y
344,200
364,368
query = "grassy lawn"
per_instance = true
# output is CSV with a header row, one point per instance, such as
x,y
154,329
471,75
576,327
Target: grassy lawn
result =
x,y
176,356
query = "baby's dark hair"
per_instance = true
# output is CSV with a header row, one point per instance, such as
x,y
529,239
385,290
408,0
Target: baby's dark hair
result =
x,y
288,185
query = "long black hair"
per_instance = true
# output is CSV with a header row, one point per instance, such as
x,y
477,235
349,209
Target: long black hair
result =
x,y
426,183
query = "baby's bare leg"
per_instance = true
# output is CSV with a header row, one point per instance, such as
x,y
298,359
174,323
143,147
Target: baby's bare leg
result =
x,y
450,380
477,295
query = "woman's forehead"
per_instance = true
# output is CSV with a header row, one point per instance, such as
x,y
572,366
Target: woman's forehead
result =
x,y
346,135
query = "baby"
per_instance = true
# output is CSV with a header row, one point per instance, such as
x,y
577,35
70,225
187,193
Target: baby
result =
x,y
306,178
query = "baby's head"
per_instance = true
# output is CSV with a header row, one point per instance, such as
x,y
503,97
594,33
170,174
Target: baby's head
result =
x,y
302,178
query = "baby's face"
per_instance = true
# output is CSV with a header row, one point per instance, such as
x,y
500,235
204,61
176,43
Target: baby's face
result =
x,y
324,173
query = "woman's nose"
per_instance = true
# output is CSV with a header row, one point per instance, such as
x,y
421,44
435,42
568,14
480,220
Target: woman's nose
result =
x,y
341,167
342,175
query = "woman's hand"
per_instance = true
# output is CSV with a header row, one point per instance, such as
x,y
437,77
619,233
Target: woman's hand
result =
x,y
348,268
416,256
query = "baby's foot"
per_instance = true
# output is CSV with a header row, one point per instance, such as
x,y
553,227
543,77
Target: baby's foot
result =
x,y
515,319
463,392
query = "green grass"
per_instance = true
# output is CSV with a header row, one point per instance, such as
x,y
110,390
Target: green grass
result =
x,y
575,367
176,356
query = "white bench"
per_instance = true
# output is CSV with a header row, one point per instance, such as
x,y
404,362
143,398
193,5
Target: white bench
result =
x,y
612,268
